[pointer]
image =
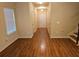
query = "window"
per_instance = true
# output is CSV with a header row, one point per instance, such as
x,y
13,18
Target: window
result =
x,y
9,20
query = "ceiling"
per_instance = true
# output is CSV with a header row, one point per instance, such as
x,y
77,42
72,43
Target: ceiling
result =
x,y
37,4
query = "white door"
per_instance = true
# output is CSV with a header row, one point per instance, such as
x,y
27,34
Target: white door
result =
x,y
42,20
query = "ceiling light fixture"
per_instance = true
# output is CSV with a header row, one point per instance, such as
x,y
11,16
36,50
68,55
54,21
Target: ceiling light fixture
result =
x,y
41,2
41,7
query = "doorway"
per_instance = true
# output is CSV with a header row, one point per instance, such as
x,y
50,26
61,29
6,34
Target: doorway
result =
x,y
42,16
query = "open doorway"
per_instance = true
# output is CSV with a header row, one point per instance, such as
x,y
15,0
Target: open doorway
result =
x,y
41,13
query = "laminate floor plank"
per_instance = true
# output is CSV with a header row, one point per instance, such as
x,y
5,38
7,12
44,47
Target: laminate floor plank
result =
x,y
41,46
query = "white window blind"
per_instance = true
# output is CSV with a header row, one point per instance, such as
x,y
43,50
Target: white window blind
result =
x,y
9,20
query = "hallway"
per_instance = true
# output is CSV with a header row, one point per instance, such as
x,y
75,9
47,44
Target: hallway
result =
x,y
41,45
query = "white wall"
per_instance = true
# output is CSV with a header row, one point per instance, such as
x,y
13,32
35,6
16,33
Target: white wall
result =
x,y
5,39
64,18
24,21
49,19
33,17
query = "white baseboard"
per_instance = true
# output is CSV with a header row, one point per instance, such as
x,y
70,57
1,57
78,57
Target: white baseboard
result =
x,y
7,44
74,35
72,39
59,37
25,36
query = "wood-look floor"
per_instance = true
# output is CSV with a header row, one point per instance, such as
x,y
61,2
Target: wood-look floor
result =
x,y
41,45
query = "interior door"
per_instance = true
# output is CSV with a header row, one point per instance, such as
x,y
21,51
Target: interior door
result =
x,y
42,20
